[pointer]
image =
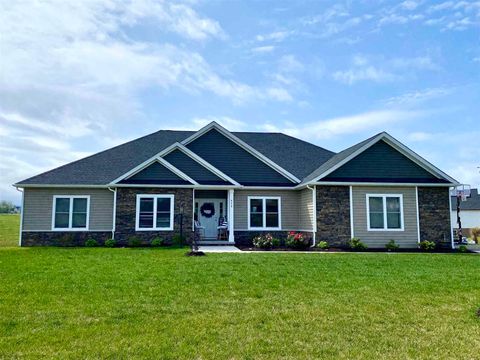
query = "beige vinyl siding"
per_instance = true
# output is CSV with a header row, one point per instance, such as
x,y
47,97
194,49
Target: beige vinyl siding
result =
x,y
305,209
407,238
290,207
38,205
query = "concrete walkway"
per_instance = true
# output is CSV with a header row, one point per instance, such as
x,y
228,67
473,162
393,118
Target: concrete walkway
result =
x,y
219,249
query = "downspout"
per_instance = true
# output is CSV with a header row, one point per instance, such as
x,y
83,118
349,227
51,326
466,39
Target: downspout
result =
x,y
21,217
114,215
452,240
314,201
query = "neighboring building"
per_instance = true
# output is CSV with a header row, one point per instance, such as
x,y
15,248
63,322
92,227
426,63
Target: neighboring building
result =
x,y
469,212
376,190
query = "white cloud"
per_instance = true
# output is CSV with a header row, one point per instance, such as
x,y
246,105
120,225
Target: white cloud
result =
x,y
419,136
263,49
72,75
409,4
370,73
419,62
387,70
416,97
290,63
376,120
276,36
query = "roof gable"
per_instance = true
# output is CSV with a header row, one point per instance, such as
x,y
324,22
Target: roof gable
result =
x,y
351,153
235,161
192,168
240,144
382,163
156,173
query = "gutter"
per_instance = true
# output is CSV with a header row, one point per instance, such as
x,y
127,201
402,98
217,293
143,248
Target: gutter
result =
x,y
314,198
114,215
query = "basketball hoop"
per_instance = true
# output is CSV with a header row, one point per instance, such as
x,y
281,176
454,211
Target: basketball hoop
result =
x,y
462,191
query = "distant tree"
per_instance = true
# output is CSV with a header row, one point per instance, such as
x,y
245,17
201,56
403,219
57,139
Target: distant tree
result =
x,y
6,207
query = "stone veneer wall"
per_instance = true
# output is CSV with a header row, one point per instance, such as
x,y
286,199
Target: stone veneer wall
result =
x,y
434,215
244,238
126,213
62,238
333,215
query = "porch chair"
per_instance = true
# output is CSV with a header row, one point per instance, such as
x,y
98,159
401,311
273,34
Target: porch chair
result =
x,y
222,229
200,229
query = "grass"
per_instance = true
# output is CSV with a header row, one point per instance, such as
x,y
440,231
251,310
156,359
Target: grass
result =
x,y
9,225
158,303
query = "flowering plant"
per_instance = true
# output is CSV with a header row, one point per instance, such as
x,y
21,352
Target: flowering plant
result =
x,y
266,241
297,240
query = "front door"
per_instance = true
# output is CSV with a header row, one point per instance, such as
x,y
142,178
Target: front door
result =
x,y
209,211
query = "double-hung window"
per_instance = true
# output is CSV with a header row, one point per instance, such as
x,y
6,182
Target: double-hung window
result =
x,y
264,213
385,212
70,212
154,212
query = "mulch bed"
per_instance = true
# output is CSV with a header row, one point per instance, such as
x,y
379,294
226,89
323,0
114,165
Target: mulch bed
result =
x,y
333,250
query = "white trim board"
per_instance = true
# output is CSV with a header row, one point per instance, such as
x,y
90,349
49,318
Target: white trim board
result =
x,y
70,212
378,184
384,203
242,144
139,197
418,214
264,212
397,145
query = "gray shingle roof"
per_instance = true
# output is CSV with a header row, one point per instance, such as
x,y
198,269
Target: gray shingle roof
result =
x,y
472,203
294,155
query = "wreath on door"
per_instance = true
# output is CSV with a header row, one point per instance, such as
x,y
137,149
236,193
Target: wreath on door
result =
x,y
207,210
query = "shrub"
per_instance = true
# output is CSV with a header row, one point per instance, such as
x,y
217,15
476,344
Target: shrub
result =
x,y
476,234
134,241
110,243
322,245
265,241
392,246
158,241
178,240
462,249
356,245
297,240
426,245
91,243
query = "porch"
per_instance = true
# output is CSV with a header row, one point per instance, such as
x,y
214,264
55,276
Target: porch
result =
x,y
213,216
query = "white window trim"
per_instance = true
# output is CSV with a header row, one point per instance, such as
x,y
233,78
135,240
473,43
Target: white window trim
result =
x,y
155,197
70,212
264,213
384,201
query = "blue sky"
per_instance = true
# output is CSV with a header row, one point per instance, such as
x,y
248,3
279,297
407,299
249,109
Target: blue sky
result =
x,y
79,78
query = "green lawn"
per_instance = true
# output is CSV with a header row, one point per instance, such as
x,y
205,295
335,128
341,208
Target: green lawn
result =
x,y
9,226
158,303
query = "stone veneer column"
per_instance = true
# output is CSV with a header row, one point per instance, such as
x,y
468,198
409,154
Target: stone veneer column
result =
x,y
333,215
434,215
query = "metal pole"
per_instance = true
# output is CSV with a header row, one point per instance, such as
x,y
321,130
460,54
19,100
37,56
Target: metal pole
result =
x,y
459,221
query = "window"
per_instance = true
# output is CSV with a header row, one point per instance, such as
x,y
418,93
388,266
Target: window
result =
x,y
70,212
385,212
154,212
264,212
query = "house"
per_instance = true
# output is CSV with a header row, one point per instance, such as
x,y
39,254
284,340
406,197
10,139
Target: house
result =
x,y
159,184
469,212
